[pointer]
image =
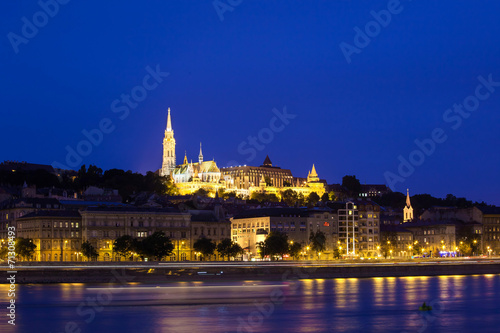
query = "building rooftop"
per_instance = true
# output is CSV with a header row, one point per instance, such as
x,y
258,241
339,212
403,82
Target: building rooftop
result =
x,y
53,213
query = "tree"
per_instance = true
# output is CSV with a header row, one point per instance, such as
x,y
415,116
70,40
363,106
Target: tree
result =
x,y
235,250
205,246
156,246
224,248
268,181
276,244
289,196
286,183
227,195
318,241
325,197
352,185
124,246
89,251
332,196
294,250
3,252
25,247
202,192
312,199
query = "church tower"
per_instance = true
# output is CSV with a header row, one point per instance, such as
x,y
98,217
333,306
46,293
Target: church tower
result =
x,y
408,210
200,157
168,164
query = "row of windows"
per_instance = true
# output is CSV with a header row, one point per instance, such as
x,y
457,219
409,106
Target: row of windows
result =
x,y
138,224
210,231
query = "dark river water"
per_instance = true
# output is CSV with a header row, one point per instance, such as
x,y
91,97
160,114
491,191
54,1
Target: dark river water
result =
x,y
460,304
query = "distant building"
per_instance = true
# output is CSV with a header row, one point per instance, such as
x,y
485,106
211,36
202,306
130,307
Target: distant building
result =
x,y
397,238
442,235
14,166
56,234
489,217
373,190
11,210
101,225
244,177
252,226
359,219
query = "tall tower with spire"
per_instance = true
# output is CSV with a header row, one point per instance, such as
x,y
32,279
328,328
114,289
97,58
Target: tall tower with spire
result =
x,y
408,210
200,157
169,163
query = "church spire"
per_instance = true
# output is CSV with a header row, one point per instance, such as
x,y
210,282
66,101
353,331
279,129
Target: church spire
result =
x,y
313,172
169,122
185,158
200,157
169,163
408,209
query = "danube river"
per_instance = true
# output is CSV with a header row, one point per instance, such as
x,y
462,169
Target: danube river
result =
x,y
460,304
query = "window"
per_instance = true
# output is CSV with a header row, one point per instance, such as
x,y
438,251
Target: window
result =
x,y
66,224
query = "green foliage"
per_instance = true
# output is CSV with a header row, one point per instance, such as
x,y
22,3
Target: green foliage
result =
x,y
289,196
264,197
3,252
325,197
227,195
294,250
25,247
332,196
157,246
205,246
388,244
228,248
268,181
312,199
89,251
352,185
39,178
124,246
276,244
318,241
202,192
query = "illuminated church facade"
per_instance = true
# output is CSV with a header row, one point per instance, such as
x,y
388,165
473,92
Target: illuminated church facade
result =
x,y
244,180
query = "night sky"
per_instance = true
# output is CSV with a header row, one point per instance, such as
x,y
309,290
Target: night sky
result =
x,y
229,68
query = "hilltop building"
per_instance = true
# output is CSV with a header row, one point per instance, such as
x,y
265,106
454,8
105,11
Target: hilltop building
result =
x,y
244,180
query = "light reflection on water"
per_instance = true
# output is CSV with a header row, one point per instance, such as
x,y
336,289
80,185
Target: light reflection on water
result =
x,y
461,304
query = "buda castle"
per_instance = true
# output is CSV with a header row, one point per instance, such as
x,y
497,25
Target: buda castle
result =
x,y
243,180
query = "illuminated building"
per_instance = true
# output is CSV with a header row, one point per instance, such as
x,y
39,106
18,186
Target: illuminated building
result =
x,y
169,163
269,179
252,226
56,234
188,176
101,225
407,210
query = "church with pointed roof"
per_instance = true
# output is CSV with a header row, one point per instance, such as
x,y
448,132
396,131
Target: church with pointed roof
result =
x,y
408,209
244,180
188,176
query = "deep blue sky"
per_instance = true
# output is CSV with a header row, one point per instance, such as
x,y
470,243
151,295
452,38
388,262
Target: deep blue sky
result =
x,y
227,76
